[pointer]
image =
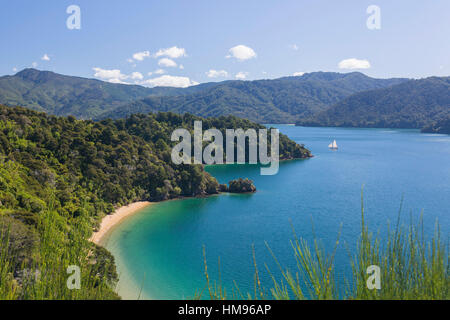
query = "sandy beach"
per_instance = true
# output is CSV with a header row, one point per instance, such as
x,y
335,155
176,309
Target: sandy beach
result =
x,y
111,220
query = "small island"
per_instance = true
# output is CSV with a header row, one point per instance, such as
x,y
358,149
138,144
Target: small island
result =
x,y
239,186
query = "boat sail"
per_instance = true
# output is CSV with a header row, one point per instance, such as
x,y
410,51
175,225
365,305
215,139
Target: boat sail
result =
x,y
333,145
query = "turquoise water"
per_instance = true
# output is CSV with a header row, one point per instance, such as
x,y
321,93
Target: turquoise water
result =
x,y
159,251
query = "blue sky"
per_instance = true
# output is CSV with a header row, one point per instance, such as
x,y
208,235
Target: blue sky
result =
x,y
271,38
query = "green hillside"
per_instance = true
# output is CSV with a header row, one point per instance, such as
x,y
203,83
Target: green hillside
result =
x,y
412,104
65,95
441,126
283,100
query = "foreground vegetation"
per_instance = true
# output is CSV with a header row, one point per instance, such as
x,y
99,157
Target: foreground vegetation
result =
x,y
412,266
35,259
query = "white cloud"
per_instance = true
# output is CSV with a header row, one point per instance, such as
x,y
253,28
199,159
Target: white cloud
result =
x,y
354,64
113,75
117,81
34,64
166,62
170,81
241,53
173,52
137,76
14,69
181,67
108,74
45,57
298,74
216,73
116,76
294,47
130,60
241,75
139,56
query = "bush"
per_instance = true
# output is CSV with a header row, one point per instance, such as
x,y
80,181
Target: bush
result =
x,y
241,186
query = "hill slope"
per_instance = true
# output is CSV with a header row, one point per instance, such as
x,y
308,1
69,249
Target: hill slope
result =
x,y
283,100
62,95
412,104
441,126
66,95
277,101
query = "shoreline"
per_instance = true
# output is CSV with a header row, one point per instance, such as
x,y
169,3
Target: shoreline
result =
x,y
111,220
127,287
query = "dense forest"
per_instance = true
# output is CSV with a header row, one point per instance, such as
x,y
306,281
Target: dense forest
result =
x,y
441,126
412,104
59,176
64,95
282,100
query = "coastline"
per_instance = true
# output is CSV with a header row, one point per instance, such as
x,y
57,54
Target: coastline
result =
x,y
128,287
111,220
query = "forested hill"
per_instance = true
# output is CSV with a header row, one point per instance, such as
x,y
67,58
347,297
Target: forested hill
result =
x,y
441,126
66,95
63,95
412,104
282,100
120,160
59,176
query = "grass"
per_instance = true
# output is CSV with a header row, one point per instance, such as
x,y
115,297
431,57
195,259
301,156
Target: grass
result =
x,y
46,277
411,267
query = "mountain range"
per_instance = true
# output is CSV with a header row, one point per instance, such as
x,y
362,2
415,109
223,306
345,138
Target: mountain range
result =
x,y
411,104
313,99
283,100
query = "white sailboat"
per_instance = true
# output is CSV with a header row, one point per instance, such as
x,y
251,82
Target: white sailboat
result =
x,y
333,145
